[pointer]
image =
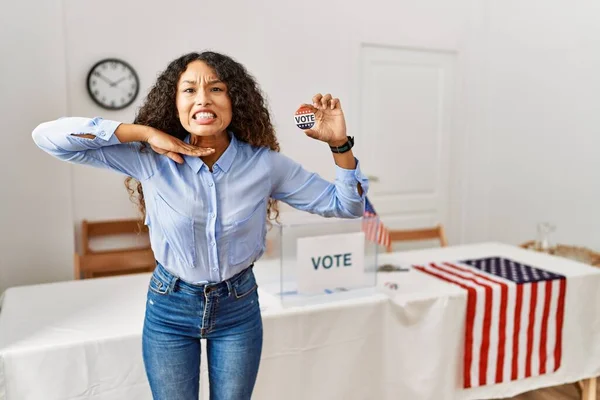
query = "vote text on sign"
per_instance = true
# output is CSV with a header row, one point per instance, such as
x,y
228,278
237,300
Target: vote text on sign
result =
x,y
331,261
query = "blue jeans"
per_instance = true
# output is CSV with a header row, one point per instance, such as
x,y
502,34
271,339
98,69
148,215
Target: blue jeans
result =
x,y
179,314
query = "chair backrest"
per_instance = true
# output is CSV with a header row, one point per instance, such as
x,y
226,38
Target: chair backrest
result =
x,y
95,229
92,263
99,265
436,232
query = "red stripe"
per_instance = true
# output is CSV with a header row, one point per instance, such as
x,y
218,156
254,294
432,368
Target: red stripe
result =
x,y
471,302
375,230
484,349
530,328
386,240
471,271
516,329
485,343
502,334
544,334
370,227
560,315
501,322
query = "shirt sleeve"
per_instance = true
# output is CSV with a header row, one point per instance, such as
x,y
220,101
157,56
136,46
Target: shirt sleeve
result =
x,y
104,151
307,191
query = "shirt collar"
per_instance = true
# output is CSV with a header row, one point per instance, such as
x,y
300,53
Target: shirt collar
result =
x,y
224,162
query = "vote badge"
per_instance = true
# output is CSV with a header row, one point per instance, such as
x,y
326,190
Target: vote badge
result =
x,y
304,118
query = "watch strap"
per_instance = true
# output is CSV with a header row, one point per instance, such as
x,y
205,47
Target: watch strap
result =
x,y
345,147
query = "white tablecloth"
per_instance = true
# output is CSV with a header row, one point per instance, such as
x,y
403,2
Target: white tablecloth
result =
x,y
82,340
441,314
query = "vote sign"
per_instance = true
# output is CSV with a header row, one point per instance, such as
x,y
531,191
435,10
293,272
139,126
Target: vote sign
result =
x,y
330,262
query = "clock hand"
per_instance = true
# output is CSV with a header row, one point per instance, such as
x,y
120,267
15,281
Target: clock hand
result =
x,y
117,82
104,78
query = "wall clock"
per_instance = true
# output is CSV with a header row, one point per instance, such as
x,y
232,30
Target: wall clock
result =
x,y
113,84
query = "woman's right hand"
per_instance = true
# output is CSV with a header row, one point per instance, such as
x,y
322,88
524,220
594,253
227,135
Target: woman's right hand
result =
x,y
170,146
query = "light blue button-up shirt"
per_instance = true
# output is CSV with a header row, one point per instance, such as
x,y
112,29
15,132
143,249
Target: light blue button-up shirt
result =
x,y
206,226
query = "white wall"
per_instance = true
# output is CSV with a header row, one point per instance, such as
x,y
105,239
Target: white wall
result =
x,y
293,53
539,133
527,79
36,235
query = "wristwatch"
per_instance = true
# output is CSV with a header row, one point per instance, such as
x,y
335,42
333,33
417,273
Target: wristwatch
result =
x,y
345,147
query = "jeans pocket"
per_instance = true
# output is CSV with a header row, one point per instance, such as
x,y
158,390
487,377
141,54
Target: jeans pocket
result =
x,y
157,286
245,286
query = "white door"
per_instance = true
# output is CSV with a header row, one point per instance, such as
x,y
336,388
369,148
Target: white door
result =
x,y
406,107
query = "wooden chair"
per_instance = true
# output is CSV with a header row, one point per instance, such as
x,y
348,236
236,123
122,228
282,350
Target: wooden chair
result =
x,y
123,260
436,232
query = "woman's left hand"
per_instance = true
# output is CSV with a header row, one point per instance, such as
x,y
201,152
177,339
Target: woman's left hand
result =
x,y
330,125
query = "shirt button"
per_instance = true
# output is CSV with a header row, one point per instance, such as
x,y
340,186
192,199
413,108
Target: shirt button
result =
x,y
210,184
212,215
213,243
101,133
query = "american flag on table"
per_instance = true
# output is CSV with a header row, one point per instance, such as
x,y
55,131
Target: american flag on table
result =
x,y
514,318
374,229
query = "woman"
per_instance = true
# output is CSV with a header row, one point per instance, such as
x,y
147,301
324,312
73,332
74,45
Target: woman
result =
x,y
210,181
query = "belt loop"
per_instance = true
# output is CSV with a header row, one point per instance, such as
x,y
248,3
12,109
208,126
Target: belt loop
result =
x,y
172,284
229,288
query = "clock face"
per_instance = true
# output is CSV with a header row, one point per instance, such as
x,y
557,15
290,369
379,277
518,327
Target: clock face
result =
x,y
113,84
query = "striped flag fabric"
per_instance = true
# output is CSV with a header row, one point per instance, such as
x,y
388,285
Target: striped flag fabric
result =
x,y
514,318
374,229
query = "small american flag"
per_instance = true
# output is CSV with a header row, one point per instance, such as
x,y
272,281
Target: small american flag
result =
x,y
374,229
514,318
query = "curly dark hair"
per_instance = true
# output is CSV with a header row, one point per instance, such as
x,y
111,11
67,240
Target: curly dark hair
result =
x,y
250,123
